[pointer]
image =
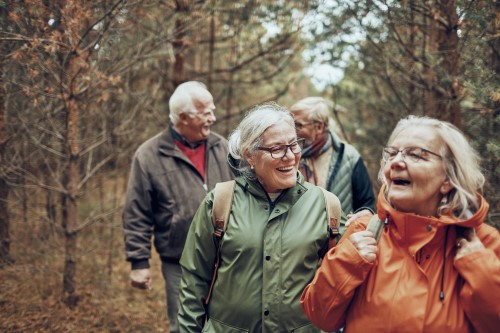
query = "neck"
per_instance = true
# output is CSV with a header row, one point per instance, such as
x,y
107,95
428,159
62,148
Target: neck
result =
x,y
183,140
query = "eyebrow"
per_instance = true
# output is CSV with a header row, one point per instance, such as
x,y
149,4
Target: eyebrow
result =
x,y
278,144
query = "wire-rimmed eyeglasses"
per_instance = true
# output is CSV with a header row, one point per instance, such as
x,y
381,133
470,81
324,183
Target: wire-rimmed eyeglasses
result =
x,y
279,151
414,154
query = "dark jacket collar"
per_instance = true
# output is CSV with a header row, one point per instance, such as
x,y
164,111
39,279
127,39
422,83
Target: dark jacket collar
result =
x,y
167,142
178,137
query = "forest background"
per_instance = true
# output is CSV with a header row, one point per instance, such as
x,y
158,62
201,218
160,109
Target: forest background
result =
x,y
83,83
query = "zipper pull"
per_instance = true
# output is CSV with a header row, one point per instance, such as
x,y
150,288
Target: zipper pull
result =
x,y
205,187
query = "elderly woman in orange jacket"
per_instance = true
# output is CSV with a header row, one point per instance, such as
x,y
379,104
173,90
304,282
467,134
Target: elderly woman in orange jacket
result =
x,y
436,267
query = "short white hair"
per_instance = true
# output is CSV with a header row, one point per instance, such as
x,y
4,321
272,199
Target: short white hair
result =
x,y
181,100
248,135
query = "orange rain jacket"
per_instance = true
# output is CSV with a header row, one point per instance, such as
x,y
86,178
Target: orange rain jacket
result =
x,y
400,292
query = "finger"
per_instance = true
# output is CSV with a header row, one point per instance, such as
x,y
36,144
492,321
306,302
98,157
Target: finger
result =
x,y
371,241
139,285
460,242
369,256
350,219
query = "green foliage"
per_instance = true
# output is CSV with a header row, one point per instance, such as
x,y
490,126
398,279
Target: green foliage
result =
x,y
411,57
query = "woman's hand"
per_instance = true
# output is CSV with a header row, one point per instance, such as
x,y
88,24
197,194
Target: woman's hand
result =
x,y
366,244
353,217
468,243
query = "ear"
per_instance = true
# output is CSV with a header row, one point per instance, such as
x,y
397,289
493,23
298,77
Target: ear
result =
x,y
446,187
183,116
250,159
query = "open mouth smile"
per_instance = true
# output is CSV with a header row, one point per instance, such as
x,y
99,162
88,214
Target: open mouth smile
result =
x,y
401,182
285,169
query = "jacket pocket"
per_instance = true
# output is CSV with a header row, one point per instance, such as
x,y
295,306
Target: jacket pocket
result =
x,y
307,328
215,326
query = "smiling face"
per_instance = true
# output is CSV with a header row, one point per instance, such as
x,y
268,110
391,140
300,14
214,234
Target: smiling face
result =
x,y
416,187
281,173
196,126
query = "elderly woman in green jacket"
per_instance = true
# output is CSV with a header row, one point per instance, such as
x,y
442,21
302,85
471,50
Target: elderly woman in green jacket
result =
x,y
275,235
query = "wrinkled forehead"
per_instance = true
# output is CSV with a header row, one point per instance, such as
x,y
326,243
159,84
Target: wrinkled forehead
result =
x,y
417,136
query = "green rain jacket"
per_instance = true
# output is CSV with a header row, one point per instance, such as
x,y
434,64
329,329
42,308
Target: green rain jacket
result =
x,y
270,252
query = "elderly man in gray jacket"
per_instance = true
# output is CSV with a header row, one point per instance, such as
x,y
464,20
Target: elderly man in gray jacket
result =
x,y
171,174
329,162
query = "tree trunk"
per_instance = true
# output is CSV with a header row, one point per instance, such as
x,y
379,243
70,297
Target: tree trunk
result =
x,y
211,48
444,90
73,176
5,258
4,186
179,43
449,104
429,47
412,92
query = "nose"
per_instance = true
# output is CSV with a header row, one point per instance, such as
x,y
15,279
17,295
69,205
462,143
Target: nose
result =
x,y
398,160
211,117
288,151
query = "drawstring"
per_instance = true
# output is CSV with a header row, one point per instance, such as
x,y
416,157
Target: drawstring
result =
x,y
441,293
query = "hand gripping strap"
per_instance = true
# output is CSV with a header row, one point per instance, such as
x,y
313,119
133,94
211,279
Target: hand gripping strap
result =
x,y
223,198
333,212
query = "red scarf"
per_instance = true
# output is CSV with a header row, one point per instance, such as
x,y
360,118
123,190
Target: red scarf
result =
x,y
311,152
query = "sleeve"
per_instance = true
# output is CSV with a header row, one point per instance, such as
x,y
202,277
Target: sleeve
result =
x,y
480,271
197,263
362,190
137,217
326,299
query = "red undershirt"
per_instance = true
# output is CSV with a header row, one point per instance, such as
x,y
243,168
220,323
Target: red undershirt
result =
x,y
196,156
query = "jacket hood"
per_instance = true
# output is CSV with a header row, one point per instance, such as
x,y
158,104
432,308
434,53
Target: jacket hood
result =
x,y
385,210
416,231
234,164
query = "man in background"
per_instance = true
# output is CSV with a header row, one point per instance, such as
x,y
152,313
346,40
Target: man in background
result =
x,y
329,162
170,175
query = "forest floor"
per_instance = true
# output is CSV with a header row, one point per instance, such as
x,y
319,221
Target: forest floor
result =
x,y
31,287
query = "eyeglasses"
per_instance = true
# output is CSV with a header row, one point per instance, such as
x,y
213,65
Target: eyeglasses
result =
x,y
279,151
414,154
203,115
300,126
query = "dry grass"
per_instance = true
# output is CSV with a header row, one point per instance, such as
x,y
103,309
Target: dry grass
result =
x,y
31,288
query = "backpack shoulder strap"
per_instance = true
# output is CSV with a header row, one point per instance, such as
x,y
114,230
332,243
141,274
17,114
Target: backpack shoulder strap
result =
x,y
223,199
333,212
375,225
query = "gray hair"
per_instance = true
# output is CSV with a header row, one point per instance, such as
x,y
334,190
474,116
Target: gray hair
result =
x,y
461,161
248,135
319,110
181,100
